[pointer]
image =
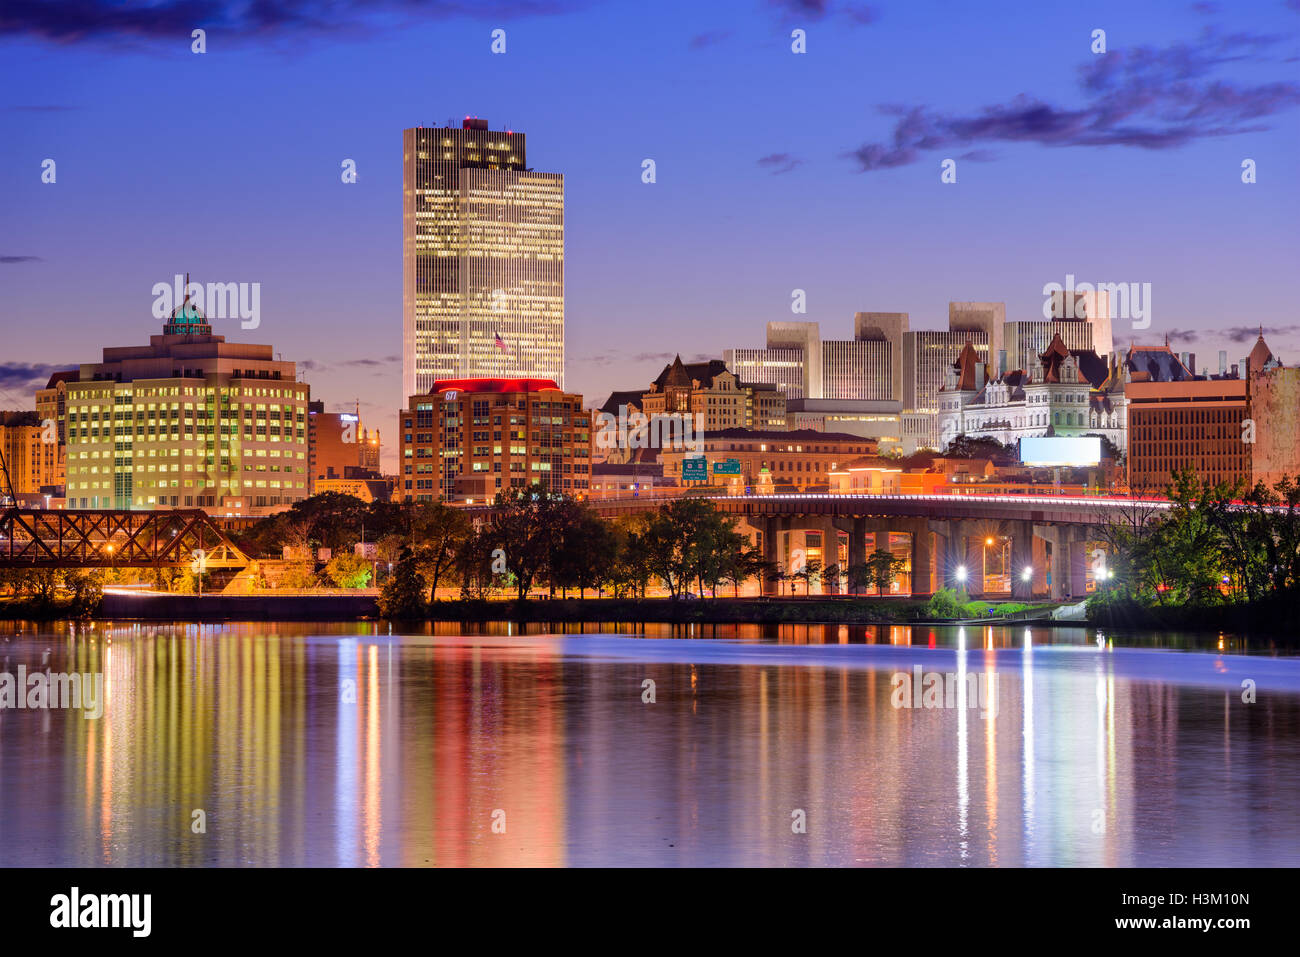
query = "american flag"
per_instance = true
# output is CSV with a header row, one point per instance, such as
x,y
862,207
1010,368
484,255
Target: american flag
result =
x,y
501,343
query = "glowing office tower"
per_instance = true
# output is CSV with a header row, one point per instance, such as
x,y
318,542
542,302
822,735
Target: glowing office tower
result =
x,y
482,258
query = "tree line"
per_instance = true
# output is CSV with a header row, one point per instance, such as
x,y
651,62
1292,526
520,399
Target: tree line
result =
x,y
1218,543
536,539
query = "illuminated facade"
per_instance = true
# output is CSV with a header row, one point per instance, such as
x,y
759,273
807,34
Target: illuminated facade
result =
x,y
1026,341
1196,422
928,354
858,369
715,397
31,462
468,439
188,421
800,459
783,369
52,408
1226,428
984,321
885,330
1068,392
482,258
882,422
339,448
1093,308
799,363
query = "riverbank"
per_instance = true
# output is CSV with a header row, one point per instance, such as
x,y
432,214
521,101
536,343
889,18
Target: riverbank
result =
x,y
816,609
1274,616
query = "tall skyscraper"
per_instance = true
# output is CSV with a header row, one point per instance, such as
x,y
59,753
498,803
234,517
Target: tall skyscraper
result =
x,y
1025,341
1092,307
884,327
482,258
985,317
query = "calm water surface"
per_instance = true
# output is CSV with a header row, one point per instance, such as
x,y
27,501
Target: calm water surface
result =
x,y
342,744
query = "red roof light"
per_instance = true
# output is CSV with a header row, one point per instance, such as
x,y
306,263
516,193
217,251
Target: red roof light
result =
x,y
494,385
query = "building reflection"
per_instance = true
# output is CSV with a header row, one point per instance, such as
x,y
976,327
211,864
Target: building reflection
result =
x,y
345,745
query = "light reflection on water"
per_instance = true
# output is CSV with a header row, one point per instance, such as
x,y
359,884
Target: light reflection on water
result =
x,y
340,744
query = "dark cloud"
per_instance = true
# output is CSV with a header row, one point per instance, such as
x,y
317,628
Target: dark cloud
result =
x,y
779,162
664,357
14,260
1205,9
1145,97
26,375
311,365
65,21
711,38
814,10
1241,334
862,14
1183,335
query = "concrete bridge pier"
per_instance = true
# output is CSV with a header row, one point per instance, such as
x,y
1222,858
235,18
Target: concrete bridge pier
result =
x,y
1079,559
1022,558
952,551
830,553
771,528
858,546
922,580
1070,560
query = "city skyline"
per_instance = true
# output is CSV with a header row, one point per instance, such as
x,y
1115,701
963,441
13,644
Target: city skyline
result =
x,y
744,209
763,433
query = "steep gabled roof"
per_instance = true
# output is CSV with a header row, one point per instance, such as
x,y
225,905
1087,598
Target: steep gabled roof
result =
x,y
967,360
1092,367
682,375
1051,359
617,399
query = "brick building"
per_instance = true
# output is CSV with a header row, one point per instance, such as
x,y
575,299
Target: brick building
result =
x,y
468,439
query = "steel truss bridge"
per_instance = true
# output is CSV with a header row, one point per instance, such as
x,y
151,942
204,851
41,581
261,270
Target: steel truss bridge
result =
x,y
118,538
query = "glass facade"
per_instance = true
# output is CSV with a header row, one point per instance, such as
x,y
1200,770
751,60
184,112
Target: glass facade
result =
x,y
482,259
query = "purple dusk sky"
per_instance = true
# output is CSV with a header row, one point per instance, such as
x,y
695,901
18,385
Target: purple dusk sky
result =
x,y
775,170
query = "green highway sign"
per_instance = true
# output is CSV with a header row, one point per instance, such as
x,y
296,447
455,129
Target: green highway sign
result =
x,y
695,469
729,467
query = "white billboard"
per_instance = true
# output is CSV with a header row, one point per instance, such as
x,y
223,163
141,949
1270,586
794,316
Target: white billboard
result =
x,y
1060,450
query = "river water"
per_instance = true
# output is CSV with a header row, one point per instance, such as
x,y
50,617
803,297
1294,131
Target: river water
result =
x,y
329,744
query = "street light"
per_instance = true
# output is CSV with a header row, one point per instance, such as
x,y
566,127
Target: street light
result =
x,y
961,573
1027,574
